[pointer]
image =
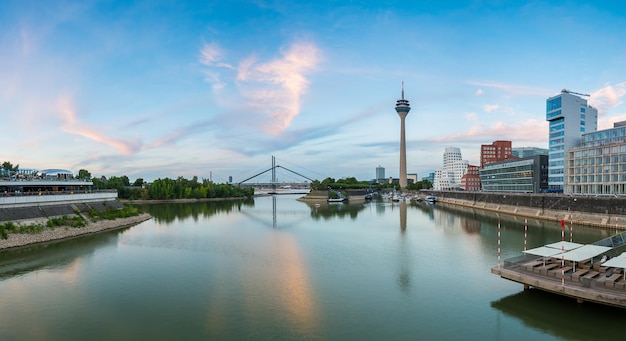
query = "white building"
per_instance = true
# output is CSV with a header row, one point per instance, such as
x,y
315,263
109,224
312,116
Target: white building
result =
x,y
454,167
570,116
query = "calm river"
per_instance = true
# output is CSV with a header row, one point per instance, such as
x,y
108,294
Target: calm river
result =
x,y
276,268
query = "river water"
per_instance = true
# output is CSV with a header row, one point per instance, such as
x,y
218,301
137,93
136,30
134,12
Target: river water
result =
x,y
277,268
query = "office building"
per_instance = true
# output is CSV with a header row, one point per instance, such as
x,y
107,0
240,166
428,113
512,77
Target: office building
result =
x,y
525,175
569,117
598,166
521,152
471,180
495,152
380,174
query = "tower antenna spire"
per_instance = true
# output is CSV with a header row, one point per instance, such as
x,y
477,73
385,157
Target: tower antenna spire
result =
x,y
402,89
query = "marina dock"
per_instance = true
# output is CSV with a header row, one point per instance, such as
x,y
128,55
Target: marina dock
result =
x,y
573,272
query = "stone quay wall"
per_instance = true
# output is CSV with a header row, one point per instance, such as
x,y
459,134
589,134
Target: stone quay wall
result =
x,y
600,211
41,213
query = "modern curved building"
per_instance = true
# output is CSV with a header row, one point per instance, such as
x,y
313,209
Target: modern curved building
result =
x,y
454,167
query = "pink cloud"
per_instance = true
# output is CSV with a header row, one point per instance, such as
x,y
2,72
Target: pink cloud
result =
x,y
528,131
275,88
70,124
608,97
271,90
513,89
491,107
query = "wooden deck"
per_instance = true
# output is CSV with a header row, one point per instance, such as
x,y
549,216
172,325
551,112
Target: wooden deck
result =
x,y
593,283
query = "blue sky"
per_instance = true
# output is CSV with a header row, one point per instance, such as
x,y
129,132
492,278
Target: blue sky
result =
x,y
153,89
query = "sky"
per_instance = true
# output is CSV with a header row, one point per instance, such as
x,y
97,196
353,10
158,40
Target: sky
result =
x,y
214,89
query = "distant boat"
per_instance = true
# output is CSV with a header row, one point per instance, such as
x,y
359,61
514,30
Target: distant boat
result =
x,y
368,196
431,199
340,198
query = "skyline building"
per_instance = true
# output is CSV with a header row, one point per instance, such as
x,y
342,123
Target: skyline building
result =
x,y
525,175
454,167
380,174
521,152
569,117
402,108
496,151
598,166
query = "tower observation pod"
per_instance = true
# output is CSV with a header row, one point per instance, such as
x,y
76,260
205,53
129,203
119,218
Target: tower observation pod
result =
x,y
402,108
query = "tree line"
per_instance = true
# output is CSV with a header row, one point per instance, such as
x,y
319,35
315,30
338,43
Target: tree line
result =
x,y
353,183
163,189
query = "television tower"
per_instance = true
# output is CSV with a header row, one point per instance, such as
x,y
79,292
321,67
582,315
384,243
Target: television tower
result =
x,y
402,108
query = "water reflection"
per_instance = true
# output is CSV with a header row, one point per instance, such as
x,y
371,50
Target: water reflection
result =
x,y
58,255
325,211
404,274
554,314
170,212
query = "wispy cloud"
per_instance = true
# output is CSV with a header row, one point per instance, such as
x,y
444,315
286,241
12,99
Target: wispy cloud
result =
x,y
528,131
70,124
608,97
272,90
491,107
518,90
275,88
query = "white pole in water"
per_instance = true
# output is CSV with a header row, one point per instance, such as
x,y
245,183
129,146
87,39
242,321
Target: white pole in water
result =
x,y
525,232
571,229
562,253
498,243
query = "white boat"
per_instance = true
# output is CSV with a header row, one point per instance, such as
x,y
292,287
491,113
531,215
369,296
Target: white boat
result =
x,y
431,198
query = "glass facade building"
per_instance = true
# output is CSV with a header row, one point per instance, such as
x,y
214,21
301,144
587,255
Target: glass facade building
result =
x,y
569,117
598,166
526,175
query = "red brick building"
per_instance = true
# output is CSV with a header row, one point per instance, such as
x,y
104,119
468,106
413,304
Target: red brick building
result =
x,y
497,151
471,180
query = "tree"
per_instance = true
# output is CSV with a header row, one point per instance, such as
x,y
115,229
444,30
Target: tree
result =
x,y
138,183
9,166
83,174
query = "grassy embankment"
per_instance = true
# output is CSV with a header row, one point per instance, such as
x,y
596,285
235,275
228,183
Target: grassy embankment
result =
x,y
76,221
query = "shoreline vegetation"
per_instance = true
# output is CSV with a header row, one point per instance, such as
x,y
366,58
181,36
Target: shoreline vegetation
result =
x,y
31,232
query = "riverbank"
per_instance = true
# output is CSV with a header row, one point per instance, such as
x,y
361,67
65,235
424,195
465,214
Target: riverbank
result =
x,y
176,201
589,219
17,240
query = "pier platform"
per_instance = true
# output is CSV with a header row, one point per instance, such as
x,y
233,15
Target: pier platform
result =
x,y
607,286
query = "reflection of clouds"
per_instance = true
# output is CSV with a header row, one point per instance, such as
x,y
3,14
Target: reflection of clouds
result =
x,y
294,289
71,272
273,283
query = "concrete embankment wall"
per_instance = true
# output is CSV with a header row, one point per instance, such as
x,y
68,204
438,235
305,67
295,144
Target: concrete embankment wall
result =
x,y
39,213
603,212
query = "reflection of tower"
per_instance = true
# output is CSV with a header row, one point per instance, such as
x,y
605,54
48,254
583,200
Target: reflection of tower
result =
x,y
404,276
403,216
403,108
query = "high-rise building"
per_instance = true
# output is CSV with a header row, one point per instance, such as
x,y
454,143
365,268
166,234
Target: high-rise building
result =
x,y
454,167
495,152
521,152
402,108
380,174
570,116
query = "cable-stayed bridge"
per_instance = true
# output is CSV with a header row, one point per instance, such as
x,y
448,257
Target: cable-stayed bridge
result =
x,y
298,184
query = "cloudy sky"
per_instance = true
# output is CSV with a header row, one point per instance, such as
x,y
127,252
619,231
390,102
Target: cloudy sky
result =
x,y
153,89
